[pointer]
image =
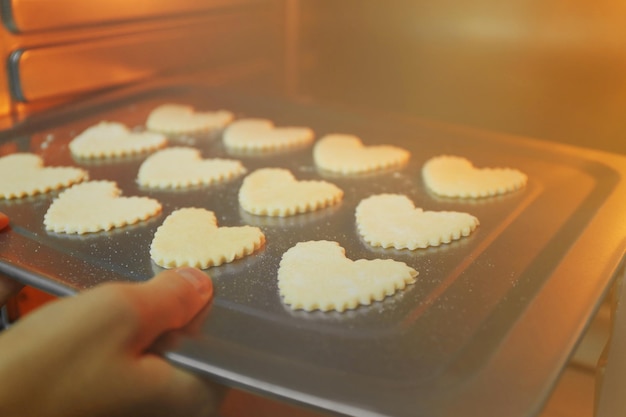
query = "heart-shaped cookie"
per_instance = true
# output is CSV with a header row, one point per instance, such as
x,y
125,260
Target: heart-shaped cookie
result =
x,y
454,176
23,174
276,192
346,154
95,206
112,139
181,167
392,221
262,135
180,119
316,275
191,237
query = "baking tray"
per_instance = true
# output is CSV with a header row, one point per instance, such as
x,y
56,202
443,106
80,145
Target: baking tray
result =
x,y
484,331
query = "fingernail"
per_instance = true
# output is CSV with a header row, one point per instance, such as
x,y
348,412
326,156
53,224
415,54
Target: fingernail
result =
x,y
197,278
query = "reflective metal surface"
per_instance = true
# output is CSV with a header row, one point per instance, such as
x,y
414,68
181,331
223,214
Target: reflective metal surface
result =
x,y
546,69
485,330
58,52
34,15
96,64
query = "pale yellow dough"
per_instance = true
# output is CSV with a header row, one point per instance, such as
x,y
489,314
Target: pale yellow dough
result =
x,y
276,192
96,206
181,167
454,176
112,139
179,119
316,275
262,135
393,221
191,237
346,154
24,174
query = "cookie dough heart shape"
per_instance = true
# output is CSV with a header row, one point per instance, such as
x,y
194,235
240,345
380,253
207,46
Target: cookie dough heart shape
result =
x,y
346,154
316,275
112,139
96,206
276,192
23,174
177,118
454,176
393,221
180,167
191,237
262,135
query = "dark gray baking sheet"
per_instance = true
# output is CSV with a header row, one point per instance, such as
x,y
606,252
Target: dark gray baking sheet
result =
x,y
484,331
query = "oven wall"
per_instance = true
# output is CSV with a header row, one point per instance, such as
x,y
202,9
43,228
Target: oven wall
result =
x,y
550,69
58,51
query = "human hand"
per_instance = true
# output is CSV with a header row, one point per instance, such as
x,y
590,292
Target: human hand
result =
x,y
88,355
8,287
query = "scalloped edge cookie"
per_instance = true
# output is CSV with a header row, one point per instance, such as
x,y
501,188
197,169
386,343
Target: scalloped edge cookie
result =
x,y
317,275
113,139
191,237
96,206
346,154
393,221
261,135
181,167
24,174
455,176
182,119
276,192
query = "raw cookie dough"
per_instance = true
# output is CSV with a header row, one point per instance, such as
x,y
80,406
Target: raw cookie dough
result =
x,y
112,139
393,221
190,237
262,135
181,167
276,192
454,176
23,174
180,119
95,206
346,154
316,275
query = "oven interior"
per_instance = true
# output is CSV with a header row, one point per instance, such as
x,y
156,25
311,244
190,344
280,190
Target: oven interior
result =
x,y
441,77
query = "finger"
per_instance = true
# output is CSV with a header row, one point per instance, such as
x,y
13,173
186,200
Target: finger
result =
x,y
201,396
182,392
168,301
171,340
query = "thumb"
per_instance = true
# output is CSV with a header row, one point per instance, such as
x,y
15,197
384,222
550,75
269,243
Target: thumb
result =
x,y
168,301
